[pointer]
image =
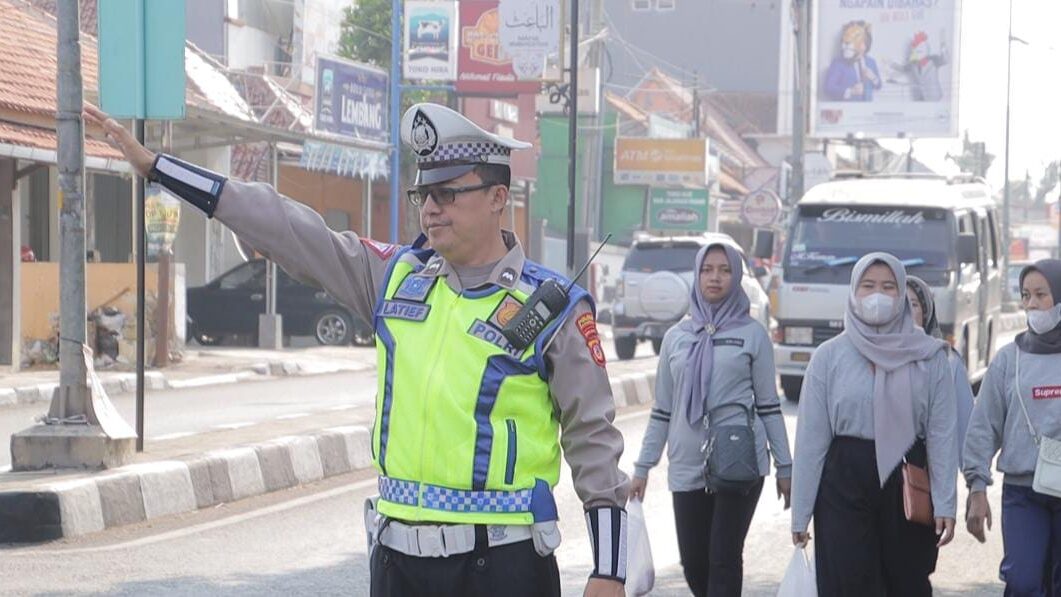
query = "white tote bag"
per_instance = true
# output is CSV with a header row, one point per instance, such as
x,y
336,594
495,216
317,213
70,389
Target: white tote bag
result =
x,y
640,572
800,579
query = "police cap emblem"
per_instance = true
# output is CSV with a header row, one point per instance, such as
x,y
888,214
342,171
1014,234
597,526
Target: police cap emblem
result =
x,y
424,137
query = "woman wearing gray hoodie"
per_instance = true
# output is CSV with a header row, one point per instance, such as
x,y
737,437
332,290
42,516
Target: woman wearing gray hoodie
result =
x,y
874,396
712,366
1003,418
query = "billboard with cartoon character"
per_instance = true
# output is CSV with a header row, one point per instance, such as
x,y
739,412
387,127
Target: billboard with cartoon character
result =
x,y
885,68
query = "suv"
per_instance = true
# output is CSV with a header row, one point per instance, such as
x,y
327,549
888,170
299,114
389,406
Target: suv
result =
x,y
654,285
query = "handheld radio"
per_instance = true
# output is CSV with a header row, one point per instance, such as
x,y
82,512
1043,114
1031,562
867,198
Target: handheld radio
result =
x,y
548,301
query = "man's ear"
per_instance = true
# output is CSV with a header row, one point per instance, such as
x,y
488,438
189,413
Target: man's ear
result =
x,y
499,199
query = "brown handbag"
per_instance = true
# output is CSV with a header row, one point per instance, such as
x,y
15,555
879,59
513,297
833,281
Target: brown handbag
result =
x,y
917,496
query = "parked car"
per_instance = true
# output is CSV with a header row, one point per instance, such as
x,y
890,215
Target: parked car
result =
x,y
229,306
653,289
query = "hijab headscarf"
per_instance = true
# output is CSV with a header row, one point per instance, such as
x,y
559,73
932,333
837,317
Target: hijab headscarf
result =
x,y
930,323
1050,342
894,347
705,320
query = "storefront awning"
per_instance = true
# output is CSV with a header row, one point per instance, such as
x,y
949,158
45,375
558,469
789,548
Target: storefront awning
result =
x,y
35,144
343,161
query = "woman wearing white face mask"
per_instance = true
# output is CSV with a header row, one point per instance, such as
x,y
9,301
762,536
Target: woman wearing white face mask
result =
x,y
875,395
1003,418
923,308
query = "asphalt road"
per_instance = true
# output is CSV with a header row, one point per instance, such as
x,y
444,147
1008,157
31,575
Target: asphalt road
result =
x,y
310,541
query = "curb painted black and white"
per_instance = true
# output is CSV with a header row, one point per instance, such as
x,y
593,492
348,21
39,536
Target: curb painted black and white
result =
x,y
145,491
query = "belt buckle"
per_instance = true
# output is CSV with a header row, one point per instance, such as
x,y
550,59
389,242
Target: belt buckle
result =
x,y
429,541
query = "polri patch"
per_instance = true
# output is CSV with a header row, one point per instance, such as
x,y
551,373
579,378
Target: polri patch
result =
x,y
738,342
404,310
1046,392
488,333
415,288
505,311
587,326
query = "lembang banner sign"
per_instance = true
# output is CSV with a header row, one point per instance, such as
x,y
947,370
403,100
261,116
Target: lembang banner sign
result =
x,y
640,160
885,68
351,100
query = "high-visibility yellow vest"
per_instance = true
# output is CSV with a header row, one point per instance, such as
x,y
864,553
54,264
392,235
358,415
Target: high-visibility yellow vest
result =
x,y
465,430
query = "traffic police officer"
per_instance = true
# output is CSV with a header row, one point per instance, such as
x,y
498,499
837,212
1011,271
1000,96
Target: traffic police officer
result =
x,y
468,428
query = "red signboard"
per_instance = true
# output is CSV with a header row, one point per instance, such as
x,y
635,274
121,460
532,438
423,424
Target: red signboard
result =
x,y
483,68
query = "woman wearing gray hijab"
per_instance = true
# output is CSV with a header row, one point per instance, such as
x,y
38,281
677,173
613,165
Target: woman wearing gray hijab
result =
x,y
712,364
923,308
877,394
1016,422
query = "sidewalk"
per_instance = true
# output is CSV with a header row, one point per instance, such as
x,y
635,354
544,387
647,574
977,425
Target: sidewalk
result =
x,y
199,367
209,469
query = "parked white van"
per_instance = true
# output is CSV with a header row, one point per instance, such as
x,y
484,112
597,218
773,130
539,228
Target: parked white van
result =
x,y
944,229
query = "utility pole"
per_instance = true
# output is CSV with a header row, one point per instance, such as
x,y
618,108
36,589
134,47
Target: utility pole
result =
x,y
800,87
82,429
1005,176
572,137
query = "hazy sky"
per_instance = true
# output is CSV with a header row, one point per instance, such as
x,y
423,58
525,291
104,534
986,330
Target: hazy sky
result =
x,y
1035,129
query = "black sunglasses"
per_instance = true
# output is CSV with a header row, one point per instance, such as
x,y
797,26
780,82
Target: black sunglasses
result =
x,y
442,195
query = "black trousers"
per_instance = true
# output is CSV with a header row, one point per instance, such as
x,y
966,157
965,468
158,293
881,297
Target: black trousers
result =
x,y
711,531
864,545
514,570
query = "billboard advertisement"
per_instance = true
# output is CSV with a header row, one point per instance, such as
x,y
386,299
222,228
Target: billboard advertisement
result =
x,y
885,68
485,68
430,41
678,209
351,100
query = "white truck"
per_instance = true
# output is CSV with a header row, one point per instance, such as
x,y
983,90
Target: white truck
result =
x,y
946,231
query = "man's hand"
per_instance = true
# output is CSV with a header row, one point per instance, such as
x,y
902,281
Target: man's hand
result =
x,y
138,156
784,490
977,511
800,538
604,587
637,489
944,530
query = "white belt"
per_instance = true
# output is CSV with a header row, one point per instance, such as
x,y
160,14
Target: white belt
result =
x,y
439,541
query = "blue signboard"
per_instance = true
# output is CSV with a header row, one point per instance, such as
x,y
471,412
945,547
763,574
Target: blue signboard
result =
x,y
351,100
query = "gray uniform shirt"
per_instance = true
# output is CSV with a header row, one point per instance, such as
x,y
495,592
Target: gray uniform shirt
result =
x,y
743,373
837,400
998,422
351,269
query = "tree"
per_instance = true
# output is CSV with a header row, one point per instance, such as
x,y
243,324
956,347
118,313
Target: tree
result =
x,y
974,157
1047,183
365,33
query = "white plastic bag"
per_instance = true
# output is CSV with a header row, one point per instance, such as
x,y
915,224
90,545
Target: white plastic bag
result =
x,y
800,579
640,572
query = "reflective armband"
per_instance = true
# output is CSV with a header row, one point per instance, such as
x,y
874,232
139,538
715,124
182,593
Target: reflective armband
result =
x,y
198,186
607,535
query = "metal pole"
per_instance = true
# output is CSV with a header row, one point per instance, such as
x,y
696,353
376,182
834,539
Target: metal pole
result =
x,y
270,269
396,106
141,259
572,138
799,87
70,129
1005,176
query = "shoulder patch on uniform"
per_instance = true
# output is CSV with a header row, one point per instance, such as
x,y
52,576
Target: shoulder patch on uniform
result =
x,y
738,342
382,250
587,326
505,311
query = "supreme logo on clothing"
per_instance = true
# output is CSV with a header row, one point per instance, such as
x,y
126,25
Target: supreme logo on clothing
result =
x,y
406,311
587,326
488,333
415,288
1046,392
738,342
382,250
505,311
